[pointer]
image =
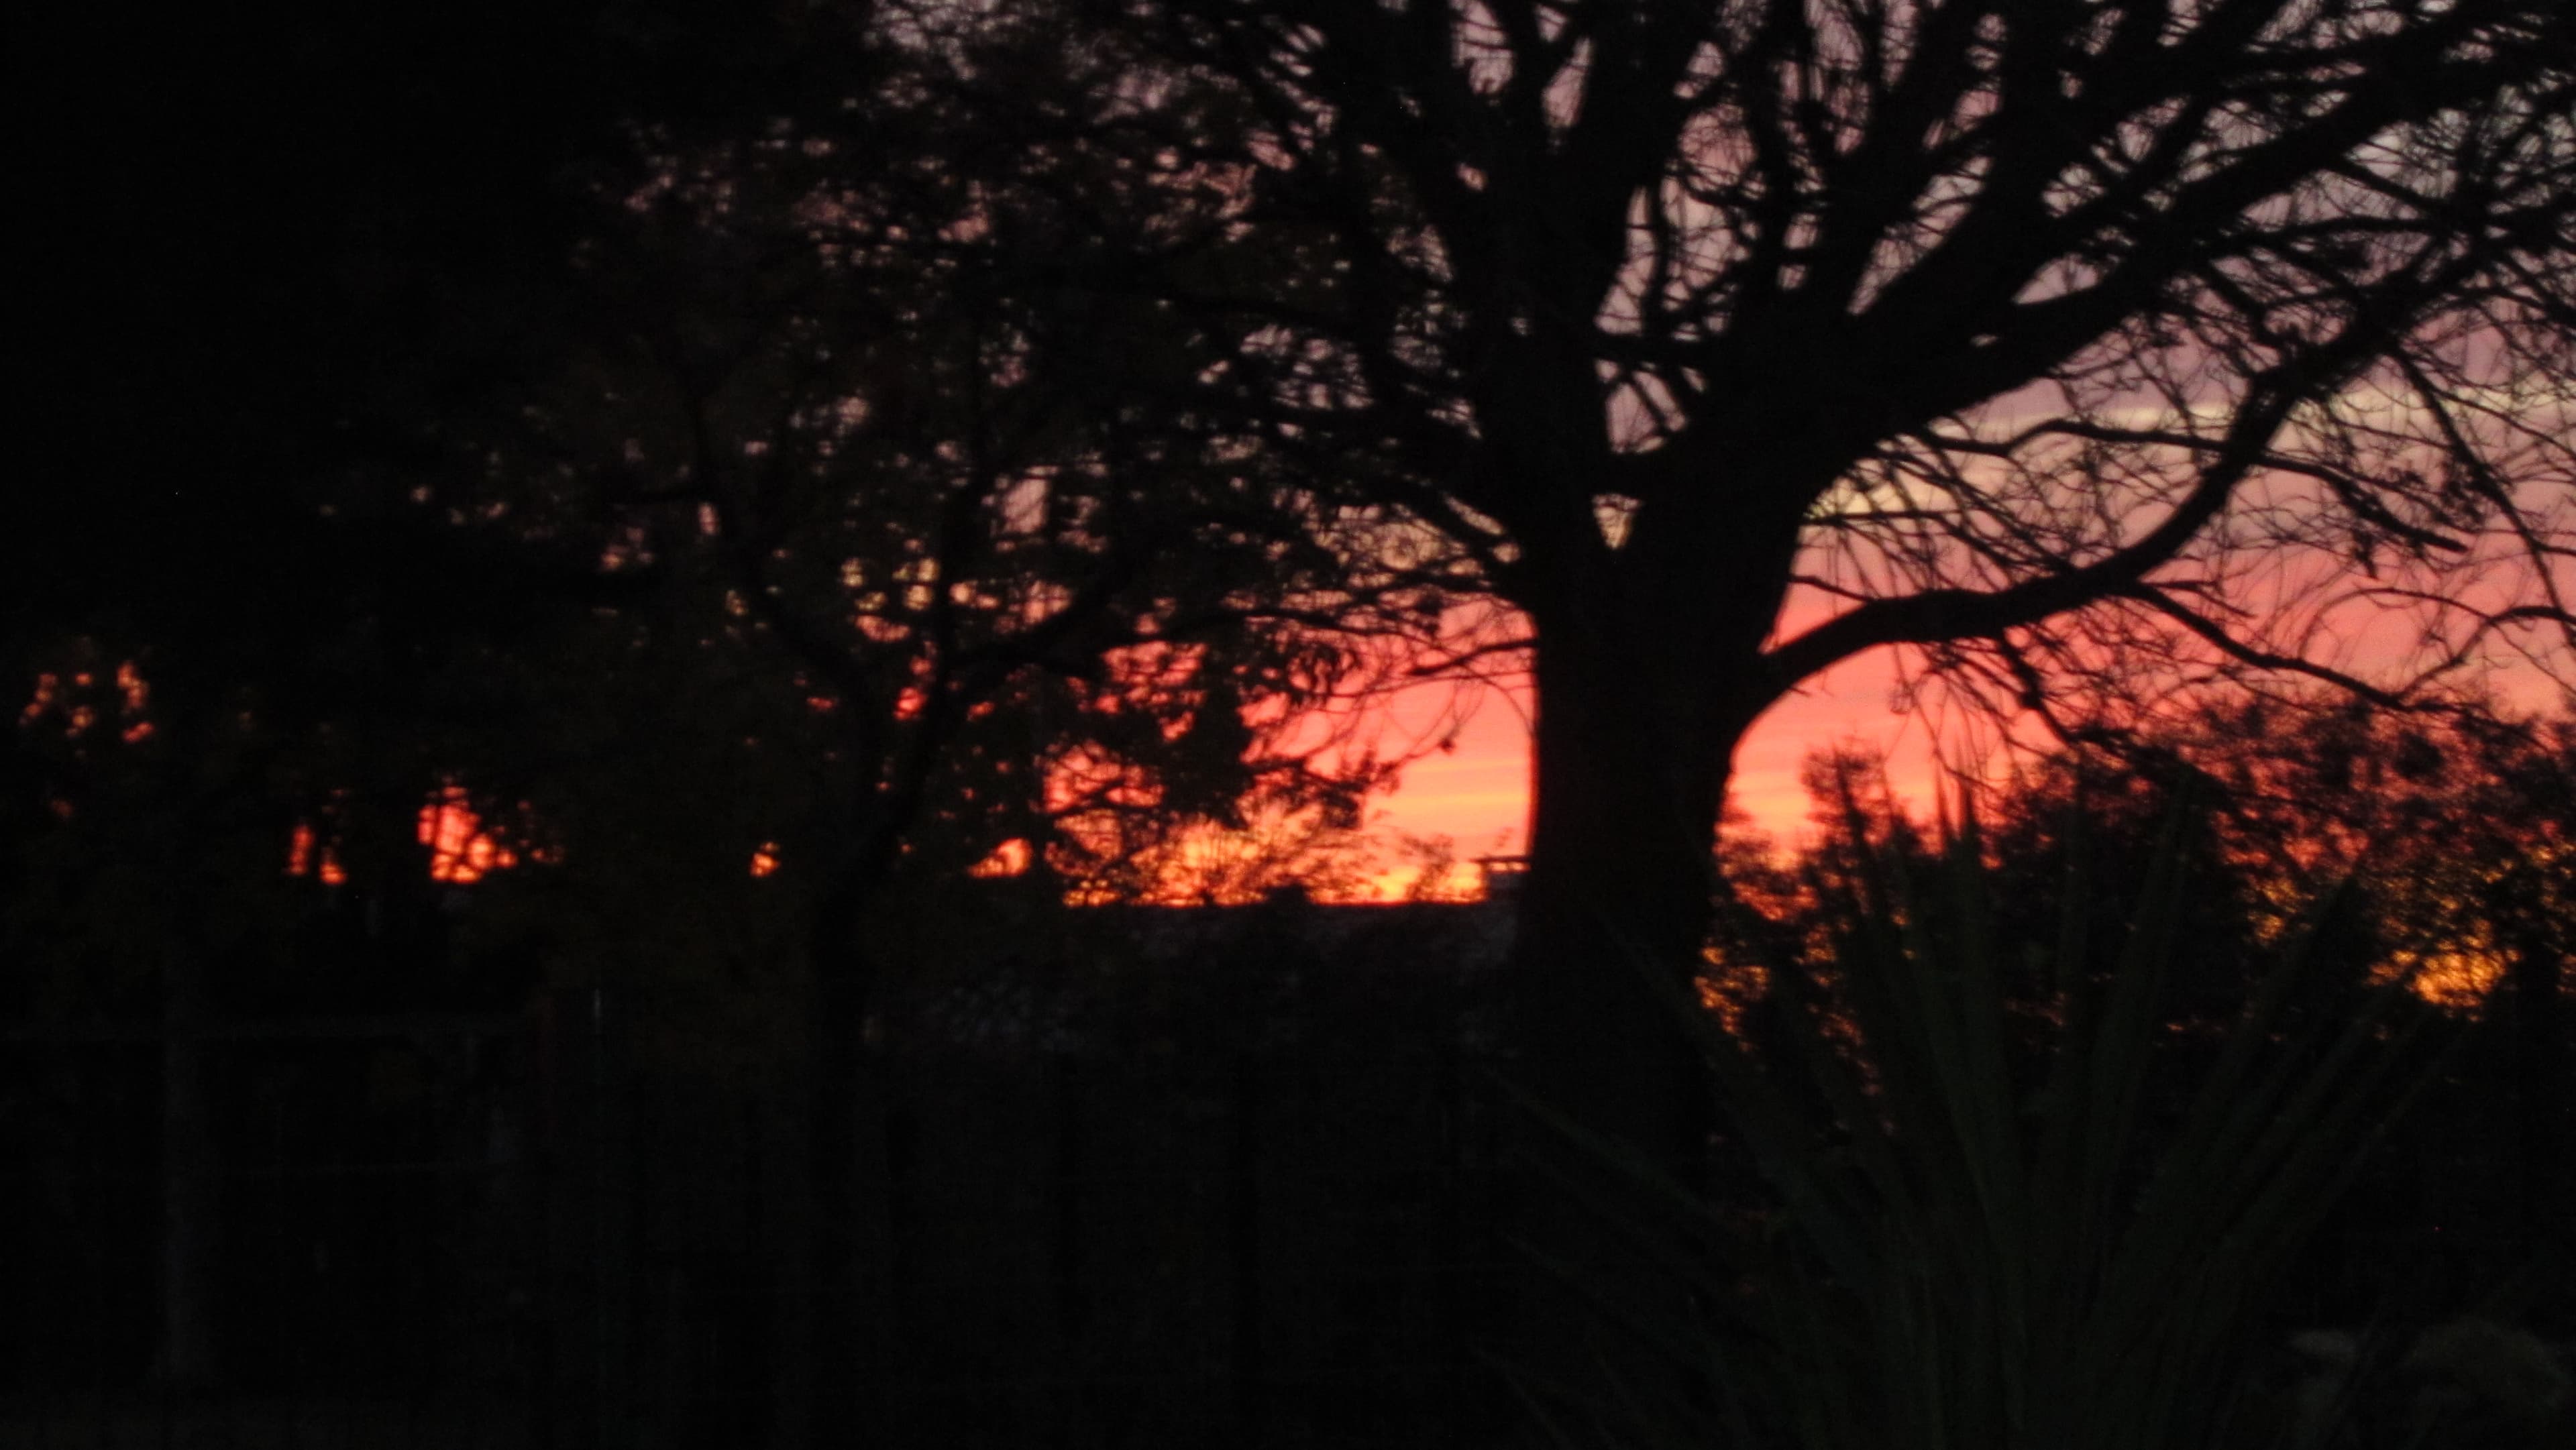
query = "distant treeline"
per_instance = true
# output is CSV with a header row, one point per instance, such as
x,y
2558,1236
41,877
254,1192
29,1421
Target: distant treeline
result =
x,y
1143,1175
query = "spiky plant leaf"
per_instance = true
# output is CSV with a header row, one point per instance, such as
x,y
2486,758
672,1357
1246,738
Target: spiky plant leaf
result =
x,y
1954,1275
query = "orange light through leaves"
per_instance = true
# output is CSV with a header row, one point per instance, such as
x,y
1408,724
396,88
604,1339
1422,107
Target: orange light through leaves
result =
x,y
461,852
301,857
1007,859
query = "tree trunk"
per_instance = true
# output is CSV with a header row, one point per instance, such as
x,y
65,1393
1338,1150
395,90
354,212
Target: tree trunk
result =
x,y
1613,914
189,1181
2545,1120
1243,1247
836,1348
1065,1278
860,1130
855,1124
890,1276
1631,759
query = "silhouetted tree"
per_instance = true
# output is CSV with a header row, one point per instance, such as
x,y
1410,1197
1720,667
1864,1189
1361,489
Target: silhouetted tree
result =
x,y
964,596
296,251
1736,340
2455,835
2416,844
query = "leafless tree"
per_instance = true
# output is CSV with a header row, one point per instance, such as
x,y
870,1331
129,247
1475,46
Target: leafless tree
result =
x,y
1733,340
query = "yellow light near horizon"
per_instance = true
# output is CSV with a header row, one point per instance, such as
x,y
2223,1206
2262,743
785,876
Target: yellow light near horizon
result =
x,y
2458,978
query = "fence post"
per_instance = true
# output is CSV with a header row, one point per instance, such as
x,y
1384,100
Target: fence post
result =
x,y
1064,1241
1454,1353
189,1186
1243,1240
607,1259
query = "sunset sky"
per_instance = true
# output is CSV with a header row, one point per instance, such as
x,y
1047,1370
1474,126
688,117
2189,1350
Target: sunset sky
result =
x,y
1478,794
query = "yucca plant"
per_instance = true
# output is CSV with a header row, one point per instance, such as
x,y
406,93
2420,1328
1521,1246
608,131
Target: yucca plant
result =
x,y
1955,1262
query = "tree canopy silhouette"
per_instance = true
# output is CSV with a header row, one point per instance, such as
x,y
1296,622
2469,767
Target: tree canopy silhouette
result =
x,y
1032,400
1731,341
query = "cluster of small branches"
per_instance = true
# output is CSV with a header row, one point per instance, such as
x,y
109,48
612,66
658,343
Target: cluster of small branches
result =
x,y
2110,344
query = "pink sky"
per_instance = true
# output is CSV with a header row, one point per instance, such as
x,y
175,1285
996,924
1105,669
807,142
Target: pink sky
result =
x,y
1478,794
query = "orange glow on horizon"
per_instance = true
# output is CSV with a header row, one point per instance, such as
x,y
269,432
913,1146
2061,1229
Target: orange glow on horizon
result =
x,y
1477,793
301,857
1007,859
461,852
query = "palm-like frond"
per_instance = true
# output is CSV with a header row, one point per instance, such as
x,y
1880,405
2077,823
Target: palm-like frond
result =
x,y
1966,1268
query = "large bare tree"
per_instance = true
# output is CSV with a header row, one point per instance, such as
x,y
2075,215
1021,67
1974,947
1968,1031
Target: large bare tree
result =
x,y
1734,340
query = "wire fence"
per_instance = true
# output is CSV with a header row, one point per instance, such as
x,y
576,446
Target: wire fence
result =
x,y
533,1231
514,1231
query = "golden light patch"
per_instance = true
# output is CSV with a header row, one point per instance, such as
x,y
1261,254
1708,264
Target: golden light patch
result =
x,y
2457,978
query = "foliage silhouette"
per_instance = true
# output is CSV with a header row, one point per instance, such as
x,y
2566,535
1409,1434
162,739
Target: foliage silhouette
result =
x,y
1958,1250
2079,350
